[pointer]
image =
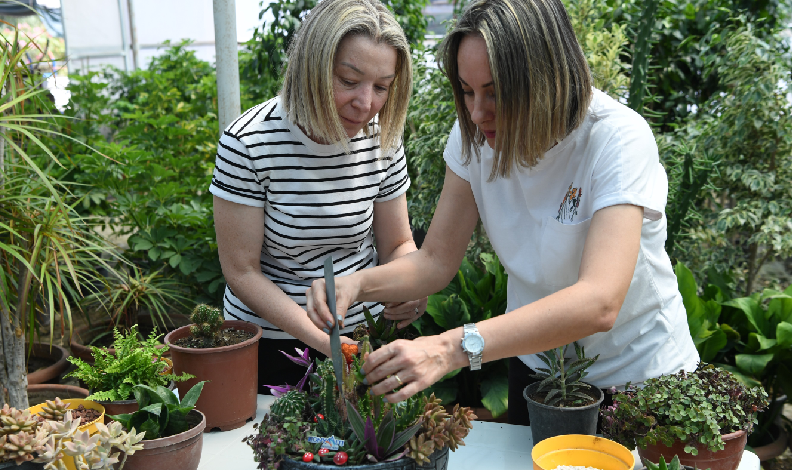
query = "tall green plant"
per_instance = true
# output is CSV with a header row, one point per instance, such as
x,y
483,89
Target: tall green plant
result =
x,y
48,255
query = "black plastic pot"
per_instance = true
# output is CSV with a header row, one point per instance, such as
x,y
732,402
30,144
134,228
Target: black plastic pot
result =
x,y
401,464
551,421
10,465
438,460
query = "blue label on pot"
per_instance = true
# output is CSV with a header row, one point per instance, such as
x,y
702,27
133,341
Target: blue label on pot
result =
x,y
332,442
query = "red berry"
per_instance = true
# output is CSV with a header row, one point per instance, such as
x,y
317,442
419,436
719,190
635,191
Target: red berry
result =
x,y
320,415
340,458
307,457
323,450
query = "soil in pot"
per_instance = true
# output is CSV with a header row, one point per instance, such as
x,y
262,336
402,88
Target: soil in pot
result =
x,y
39,393
726,459
227,337
550,421
182,451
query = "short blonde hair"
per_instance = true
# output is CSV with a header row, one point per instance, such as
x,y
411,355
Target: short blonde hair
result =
x,y
307,93
541,78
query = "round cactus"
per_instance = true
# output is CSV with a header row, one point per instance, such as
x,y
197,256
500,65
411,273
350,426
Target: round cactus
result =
x,y
207,322
290,404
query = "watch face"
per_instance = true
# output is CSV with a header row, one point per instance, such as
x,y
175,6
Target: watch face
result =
x,y
474,344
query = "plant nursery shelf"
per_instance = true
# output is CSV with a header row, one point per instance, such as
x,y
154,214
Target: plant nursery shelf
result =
x,y
491,446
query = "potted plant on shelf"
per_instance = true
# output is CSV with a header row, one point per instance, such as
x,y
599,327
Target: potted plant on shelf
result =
x,y
225,355
704,417
173,429
561,403
113,377
318,422
55,437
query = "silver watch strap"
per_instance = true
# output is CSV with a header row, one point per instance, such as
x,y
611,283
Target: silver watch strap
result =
x,y
475,359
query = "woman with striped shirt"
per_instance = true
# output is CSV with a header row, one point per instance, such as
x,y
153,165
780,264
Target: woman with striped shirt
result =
x,y
318,170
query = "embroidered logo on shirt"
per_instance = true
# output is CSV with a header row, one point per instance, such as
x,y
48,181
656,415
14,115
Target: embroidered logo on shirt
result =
x,y
568,208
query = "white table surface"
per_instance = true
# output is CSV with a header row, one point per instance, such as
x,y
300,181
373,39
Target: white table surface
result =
x,y
492,446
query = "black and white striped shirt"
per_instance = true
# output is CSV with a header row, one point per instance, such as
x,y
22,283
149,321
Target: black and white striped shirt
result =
x,y
317,200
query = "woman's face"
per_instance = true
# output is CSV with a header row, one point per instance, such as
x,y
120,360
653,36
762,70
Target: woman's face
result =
x,y
477,84
362,75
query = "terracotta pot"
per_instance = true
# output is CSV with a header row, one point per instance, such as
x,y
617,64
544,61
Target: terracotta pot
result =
x,y
228,398
775,448
726,459
182,451
55,354
39,393
85,334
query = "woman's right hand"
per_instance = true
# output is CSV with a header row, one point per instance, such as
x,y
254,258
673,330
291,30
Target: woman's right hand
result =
x,y
347,290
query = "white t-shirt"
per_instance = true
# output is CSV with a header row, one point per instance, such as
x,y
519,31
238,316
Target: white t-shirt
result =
x,y
317,200
538,220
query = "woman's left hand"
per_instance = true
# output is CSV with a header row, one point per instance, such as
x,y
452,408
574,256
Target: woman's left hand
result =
x,y
415,364
405,312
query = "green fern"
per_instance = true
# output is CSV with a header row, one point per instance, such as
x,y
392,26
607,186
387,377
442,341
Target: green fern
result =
x,y
135,362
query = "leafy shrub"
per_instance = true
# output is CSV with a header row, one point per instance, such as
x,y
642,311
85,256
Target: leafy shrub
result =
x,y
695,408
160,413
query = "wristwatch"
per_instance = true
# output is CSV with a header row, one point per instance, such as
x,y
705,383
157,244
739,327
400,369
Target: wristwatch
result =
x,y
473,345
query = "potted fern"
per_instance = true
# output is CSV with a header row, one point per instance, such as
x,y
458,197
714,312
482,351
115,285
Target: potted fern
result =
x,y
560,402
223,353
317,423
111,377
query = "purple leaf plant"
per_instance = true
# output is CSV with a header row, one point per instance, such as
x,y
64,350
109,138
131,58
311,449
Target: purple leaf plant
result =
x,y
301,359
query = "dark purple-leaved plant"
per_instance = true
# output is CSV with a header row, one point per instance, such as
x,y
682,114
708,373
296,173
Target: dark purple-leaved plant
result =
x,y
381,442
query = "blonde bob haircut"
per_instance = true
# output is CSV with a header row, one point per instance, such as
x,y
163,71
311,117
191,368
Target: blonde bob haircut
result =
x,y
541,79
307,93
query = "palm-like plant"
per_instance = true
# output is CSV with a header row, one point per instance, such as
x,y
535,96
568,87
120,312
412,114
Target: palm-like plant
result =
x,y
48,254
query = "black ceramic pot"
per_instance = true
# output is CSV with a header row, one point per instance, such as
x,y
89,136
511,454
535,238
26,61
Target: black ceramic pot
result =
x,y
437,461
10,465
401,464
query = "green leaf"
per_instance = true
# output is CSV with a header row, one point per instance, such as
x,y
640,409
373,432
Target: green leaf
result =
x,y
386,430
192,395
753,364
710,348
753,313
784,334
175,260
495,394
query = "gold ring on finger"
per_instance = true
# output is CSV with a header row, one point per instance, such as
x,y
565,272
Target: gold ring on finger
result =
x,y
398,379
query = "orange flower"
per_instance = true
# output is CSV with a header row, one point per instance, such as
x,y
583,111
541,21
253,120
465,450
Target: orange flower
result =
x,y
348,350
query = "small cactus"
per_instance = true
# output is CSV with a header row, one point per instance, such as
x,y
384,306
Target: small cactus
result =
x,y
207,322
291,404
54,410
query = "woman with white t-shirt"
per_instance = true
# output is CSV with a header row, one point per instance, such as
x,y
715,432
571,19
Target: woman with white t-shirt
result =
x,y
569,187
318,170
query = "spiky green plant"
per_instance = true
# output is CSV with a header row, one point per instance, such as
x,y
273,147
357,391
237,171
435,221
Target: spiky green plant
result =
x,y
207,322
563,381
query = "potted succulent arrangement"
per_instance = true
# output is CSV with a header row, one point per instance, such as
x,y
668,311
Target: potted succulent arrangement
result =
x,y
561,403
704,417
225,355
319,422
112,377
172,429
52,436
